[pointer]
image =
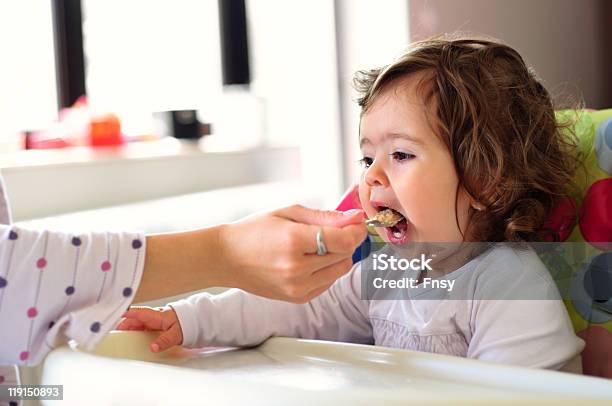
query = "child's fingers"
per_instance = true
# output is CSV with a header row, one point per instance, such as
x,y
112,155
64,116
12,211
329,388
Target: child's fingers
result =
x,y
123,325
169,338
130,324
150,318
145,318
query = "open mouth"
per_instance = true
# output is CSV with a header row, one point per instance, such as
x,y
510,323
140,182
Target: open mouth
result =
x,y
398,233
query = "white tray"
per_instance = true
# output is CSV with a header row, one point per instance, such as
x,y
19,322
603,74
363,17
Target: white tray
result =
x,y
284,371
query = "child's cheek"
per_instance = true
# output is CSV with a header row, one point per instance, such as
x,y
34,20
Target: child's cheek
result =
x,y
364,198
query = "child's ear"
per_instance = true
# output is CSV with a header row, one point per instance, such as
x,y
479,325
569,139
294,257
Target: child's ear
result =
x,y
474,204
477,206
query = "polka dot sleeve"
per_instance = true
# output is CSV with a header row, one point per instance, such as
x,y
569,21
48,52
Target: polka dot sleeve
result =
x,y
55,287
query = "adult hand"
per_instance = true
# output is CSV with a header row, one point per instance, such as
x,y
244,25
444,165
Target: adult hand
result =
x,y
274,254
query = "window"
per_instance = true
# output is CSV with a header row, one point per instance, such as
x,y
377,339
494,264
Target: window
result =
x,y
28,98
144,56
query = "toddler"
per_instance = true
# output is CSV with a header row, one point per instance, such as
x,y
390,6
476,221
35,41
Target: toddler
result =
x,y
459,137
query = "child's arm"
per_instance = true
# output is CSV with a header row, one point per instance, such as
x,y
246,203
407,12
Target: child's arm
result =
x,y
237,318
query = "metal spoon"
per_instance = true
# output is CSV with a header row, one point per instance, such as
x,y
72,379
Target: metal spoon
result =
x,y
385,218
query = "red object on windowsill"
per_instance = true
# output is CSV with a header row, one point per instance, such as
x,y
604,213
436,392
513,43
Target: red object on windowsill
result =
x,y
78,126
105,130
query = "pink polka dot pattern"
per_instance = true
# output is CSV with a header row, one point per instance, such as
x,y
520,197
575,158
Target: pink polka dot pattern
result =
x,y
32,312
24,355
561,221
106,266
41,263
596,223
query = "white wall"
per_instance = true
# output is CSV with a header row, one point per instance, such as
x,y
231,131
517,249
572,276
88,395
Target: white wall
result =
x,y
562,39
370,34
293,62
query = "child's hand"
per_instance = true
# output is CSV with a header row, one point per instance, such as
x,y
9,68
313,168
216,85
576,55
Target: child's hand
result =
x,y
161,319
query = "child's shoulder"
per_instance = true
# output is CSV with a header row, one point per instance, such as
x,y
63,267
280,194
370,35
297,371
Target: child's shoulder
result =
x,y
515,256
513,271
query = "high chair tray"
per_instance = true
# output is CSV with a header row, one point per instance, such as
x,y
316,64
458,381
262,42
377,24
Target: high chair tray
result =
x,y
282,371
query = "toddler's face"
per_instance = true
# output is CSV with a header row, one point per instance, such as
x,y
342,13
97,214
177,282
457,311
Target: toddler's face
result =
x,y
409,169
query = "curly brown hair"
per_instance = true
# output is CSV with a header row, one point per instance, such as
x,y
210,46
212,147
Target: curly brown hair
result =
x,y
498,122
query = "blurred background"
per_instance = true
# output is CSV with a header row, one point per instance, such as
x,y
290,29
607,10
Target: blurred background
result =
x,y
161,115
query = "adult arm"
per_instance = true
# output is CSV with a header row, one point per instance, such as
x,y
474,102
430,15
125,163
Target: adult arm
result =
x,y
59,286
272,255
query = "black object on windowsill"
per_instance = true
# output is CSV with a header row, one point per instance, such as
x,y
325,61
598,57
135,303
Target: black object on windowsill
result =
x,y
182,124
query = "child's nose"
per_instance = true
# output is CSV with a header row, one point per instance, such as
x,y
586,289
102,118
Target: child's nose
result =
x,y
375,176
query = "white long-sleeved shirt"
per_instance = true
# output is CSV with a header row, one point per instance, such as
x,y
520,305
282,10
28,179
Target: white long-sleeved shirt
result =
x,y
56,286
504,307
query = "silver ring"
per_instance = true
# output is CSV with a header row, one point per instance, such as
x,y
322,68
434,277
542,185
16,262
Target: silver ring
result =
x,y
321,248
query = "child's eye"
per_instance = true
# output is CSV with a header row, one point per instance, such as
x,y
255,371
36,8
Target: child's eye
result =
x,y
401,156
366,162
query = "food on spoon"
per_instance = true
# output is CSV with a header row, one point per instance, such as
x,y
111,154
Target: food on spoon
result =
x,y
385,218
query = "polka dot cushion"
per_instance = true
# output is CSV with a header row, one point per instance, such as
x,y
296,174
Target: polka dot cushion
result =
x,y
589,301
